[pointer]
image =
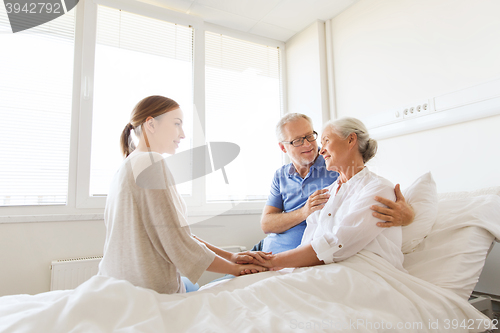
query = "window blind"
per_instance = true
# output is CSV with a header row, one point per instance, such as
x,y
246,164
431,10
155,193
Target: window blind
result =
x,y
129,31
243,105
36,78
136,56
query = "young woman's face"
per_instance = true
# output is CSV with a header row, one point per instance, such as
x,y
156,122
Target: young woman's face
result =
x,y
169,132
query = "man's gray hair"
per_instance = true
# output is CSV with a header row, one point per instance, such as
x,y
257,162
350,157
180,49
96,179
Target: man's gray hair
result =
x,y
289,117
345,126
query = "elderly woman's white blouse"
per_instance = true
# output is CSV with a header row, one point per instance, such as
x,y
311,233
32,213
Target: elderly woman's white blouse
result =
x,y
346,225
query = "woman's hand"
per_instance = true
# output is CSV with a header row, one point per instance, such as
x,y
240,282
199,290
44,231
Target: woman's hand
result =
x,y
251,257
250,269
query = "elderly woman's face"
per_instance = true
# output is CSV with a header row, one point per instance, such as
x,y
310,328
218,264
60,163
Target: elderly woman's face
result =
x,y
335,150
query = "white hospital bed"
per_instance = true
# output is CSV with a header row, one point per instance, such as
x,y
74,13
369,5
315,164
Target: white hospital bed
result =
x,y
361,294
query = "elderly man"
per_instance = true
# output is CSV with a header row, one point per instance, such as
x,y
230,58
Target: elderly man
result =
x,y
298,190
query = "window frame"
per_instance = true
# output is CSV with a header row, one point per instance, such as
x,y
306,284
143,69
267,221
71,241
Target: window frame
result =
x,y
80,205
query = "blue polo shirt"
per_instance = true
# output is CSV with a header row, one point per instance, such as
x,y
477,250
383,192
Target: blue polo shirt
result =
x,y
290,192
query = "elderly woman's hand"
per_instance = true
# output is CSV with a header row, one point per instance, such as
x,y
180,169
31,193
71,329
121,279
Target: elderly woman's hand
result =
x,y
398,213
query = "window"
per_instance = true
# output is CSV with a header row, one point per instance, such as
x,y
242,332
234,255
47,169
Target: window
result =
x,y
135,57
243,105
36,71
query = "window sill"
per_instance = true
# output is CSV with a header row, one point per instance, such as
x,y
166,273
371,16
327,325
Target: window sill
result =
x,y
211,210
50,218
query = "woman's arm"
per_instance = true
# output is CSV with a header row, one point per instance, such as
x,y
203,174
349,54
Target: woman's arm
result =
x,y
167,229
300,257
248,257
220,252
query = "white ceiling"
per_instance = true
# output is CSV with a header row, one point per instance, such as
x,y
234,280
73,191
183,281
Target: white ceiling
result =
x,y
276,19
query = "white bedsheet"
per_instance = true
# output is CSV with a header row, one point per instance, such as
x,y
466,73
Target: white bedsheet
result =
x,y
361,294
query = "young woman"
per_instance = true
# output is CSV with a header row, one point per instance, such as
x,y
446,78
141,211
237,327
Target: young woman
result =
x,y
148,240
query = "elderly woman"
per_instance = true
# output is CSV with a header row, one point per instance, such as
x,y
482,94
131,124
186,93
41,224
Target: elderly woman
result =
x,y
346,225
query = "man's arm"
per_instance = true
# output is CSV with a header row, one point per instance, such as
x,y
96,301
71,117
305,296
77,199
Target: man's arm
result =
x,y
398,213
274,220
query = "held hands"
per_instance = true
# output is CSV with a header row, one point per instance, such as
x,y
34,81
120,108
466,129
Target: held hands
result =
x,y
316,201
267,264
253,261
398,213
251,257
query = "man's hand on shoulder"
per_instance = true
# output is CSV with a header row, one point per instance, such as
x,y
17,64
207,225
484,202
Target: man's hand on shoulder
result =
x,y
398,213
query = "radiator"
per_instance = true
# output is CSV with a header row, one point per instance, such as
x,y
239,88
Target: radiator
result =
x,y
70,273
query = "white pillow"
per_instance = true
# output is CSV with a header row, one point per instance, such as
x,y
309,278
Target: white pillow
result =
x,y
422,196
454,253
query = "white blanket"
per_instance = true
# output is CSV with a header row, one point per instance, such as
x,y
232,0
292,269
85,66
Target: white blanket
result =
x,y
361,294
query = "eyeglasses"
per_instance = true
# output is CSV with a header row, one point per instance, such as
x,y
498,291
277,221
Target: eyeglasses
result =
x,y
300,141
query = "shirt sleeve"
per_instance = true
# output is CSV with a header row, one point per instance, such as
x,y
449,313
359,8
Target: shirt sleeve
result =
x,y
275,199
171,240
356,229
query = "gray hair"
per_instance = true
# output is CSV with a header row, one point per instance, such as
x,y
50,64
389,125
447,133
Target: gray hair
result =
x,y
288,118
343,127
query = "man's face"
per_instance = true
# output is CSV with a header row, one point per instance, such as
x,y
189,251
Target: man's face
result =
x,y
306,154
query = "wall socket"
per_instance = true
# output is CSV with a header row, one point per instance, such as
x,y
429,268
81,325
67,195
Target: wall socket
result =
x,y
419,108
416,109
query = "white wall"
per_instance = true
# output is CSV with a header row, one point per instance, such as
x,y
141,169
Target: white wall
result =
x,y
28,248
389,53
307,75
